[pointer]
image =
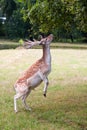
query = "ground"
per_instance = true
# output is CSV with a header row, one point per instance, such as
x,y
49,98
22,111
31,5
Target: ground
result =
x,y
64,108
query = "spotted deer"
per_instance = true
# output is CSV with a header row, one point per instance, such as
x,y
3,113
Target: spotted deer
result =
x,y
37,73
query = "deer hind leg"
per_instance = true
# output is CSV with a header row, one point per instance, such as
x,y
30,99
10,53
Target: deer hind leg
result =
x,y
46,82
17,96
24,100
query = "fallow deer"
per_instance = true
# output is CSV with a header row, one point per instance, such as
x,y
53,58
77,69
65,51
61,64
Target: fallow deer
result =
x,y
37,73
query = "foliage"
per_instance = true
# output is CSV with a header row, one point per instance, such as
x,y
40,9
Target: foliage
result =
x,y
45,14
8,6
1,28
54,14
81,14
65,18
16,27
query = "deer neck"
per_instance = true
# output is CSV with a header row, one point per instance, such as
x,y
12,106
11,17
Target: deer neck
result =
x,y
47,55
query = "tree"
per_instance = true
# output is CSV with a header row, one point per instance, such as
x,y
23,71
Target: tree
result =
x,y
46,16
80,10
8,6
16,27
49,15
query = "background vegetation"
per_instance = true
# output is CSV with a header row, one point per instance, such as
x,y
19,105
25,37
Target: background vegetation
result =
x,y
27,19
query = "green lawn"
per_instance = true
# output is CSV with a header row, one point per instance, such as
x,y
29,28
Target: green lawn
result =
x,y
64,108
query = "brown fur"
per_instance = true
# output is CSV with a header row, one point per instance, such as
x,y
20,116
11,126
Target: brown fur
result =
x,y
32,70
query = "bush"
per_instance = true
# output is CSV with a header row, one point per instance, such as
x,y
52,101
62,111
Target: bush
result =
x,y
2,29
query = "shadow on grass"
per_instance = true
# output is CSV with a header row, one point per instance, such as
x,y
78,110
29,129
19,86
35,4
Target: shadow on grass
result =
x,y
8,46
53,46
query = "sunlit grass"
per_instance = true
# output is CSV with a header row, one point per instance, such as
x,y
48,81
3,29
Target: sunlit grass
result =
x,y
65,107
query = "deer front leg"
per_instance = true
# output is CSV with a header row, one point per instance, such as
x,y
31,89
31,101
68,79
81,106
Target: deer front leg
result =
x,y
46,82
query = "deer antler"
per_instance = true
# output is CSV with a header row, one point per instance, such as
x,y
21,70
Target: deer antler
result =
x,y
28,43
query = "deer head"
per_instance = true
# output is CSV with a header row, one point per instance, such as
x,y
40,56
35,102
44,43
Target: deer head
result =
x,y
47,40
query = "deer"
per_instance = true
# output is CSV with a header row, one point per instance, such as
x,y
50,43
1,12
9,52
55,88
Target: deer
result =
x,y
35,74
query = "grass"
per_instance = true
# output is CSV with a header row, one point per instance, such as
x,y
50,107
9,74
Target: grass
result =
x,y
65,107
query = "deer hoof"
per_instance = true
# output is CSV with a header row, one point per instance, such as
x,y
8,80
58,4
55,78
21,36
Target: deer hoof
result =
x,y
16,111
28,108
44,95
